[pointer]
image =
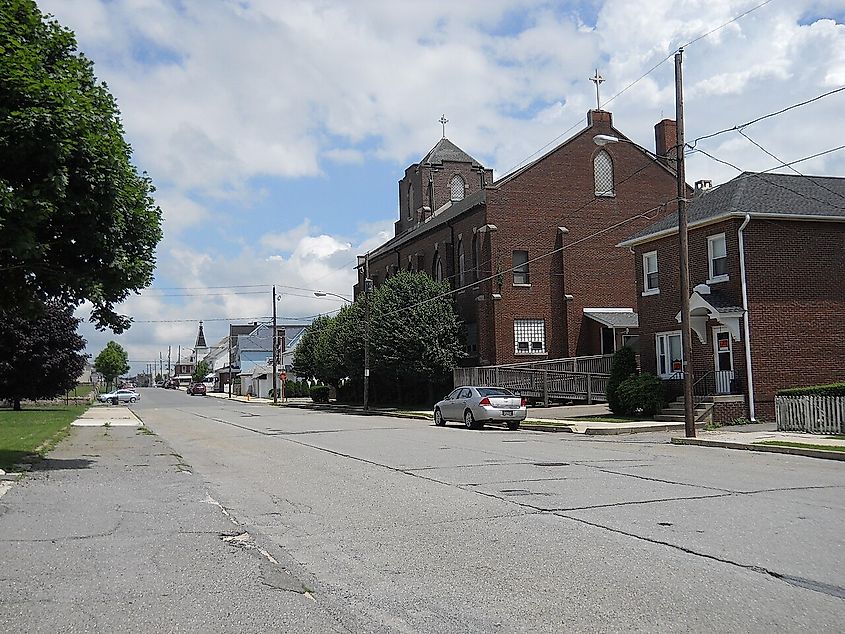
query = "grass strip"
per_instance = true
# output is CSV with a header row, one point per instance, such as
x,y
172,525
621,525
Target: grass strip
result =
x,y
801,445
32,432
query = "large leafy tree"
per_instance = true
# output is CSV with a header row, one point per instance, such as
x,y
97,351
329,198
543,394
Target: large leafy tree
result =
x,y
77,220
40,356
415,334
305,356
112,362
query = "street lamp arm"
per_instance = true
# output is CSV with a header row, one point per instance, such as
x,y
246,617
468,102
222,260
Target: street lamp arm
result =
x,y
325,293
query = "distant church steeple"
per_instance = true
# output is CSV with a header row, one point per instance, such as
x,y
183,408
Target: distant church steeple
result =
x,y
200,347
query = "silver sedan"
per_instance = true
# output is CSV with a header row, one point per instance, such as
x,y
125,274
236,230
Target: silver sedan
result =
x,y
475,406
122,395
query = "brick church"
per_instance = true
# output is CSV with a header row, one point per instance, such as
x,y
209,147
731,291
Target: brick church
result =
x,y
532,257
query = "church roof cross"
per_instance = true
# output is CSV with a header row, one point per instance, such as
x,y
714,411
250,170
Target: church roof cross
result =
x,y
597,80
443,121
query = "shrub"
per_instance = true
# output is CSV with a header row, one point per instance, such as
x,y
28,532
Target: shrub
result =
x,y
831,389
624,365
642,393
320,393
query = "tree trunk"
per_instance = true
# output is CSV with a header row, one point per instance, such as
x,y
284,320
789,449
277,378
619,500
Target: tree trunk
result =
x,y
17,404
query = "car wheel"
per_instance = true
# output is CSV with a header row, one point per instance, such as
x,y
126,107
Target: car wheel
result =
x,y
513,425
469,420
438,418
133,399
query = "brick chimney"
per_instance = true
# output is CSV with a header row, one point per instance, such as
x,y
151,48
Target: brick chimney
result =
x,y
665,138
599,117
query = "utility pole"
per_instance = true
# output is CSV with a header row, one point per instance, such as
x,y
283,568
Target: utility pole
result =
x,y
230,360
160,365
683,237
367,286
275,364
169,373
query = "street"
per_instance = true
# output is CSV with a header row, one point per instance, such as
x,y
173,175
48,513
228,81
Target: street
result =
x,y
376,524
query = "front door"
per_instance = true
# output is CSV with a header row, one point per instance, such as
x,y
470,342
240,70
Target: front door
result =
x,y
723,359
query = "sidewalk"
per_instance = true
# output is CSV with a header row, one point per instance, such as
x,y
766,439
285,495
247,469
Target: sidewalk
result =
x,y
815,445
107,416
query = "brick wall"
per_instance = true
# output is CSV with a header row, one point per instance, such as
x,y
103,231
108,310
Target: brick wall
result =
x,y
559,190
796,286
726,412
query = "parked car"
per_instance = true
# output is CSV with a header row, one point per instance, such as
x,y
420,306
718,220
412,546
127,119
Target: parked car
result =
x,y
475,406
196,388
123,396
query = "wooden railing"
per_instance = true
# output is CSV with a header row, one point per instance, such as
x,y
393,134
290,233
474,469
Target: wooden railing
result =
x,y
576,379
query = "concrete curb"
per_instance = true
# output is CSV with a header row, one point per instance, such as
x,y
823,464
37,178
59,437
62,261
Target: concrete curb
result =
x,y
341,409
792,451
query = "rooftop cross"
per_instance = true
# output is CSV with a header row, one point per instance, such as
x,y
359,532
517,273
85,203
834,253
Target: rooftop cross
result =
x,y
597,79
443,121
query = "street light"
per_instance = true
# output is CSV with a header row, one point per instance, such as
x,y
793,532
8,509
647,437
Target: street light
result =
x,y
327,293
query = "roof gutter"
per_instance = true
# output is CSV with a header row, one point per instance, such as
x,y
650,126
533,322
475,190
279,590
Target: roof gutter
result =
x,y
746,326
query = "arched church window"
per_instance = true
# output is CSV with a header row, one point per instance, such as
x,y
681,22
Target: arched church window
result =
x,y
603,171
457,188
410,202
438,269
461,263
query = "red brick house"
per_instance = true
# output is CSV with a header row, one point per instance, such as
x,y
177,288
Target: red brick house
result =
x,y
483,236
767,269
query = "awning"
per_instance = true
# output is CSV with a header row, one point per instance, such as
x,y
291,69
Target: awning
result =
x,y
613,317
705,305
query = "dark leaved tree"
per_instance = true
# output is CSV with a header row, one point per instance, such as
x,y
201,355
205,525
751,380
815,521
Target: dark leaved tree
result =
x,y
40,356
623,365
77,220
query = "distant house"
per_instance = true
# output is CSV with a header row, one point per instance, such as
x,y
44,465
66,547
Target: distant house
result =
x,y
767,272
531,256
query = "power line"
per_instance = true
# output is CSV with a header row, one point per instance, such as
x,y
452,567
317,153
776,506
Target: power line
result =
x,y
636,81
740,126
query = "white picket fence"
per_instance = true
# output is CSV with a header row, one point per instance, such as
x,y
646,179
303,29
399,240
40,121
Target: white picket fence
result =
x,y
812,414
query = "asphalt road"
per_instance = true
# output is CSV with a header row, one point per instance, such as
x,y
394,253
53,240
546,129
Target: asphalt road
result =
x,y
395,525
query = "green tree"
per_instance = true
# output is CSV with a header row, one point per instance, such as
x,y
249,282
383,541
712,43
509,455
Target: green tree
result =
x,y
305,357
112,362
200,372
40,356
77,220
623,365
414,342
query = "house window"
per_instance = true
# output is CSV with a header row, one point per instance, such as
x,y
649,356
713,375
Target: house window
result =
x,y
650,286
603,172
461,263
457,188
529,336
717,254
472,338
670,355
410,202
520,267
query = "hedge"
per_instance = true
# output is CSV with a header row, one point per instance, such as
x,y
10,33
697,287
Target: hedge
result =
x,y
641,393
320,393
831,389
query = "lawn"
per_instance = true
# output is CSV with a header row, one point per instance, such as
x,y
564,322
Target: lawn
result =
x,y
801,445
21,433
81,391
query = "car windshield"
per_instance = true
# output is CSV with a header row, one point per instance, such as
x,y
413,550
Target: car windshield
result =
x,y
494,391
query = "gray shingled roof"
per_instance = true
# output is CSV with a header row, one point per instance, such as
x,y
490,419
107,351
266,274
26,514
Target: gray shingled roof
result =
x,y
445,150
614,319
761,193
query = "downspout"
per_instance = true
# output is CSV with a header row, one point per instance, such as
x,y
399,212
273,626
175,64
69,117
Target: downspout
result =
x,y
746,326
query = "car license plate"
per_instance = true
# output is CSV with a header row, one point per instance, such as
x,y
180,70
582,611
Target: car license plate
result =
x,y
507,412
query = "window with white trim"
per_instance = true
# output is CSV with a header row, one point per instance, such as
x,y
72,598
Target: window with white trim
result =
x,y
603,172
717,255
670,353
520,268
457,188
410,202
650,282
529,336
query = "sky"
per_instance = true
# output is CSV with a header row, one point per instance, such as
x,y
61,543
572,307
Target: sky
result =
x,y
276,131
